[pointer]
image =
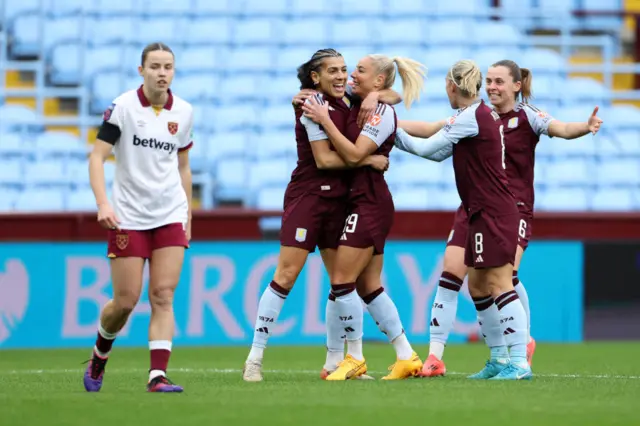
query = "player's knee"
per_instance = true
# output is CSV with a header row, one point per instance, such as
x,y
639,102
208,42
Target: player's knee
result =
x,y
124,304
161,298
453,263
286,274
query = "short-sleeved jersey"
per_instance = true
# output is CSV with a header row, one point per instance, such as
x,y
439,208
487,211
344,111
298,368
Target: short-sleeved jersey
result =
x,y
522,129
306,178
381,129
478,159
147,188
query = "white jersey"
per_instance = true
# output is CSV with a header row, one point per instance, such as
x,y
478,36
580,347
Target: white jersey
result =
x,y
147,188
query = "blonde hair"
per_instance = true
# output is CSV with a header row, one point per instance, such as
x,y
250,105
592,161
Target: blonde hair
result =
x,y
411,72
467,77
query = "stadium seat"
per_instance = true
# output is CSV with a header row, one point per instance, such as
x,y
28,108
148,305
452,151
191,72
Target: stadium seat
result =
x,y
231,179
494,33
49,172
11,173
613,199
582,89
40,200
404,31
570,172
457,8
448,33
273,145
346,32
254,31
109,30
270,198
272,8
305,32
250,59
416,171
270,172
199,32
56,144
81,200
618,171
407,8
14,147
440,59
543,61
14,8
231,145
19,118
563,199
8,199
414,198
234,118
31,30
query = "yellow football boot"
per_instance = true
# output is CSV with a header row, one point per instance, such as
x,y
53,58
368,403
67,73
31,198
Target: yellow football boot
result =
x,y
403,369
348,369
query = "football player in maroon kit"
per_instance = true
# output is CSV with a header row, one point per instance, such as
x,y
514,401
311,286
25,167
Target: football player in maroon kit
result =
x,y
509,89
475,138
315,199
370,215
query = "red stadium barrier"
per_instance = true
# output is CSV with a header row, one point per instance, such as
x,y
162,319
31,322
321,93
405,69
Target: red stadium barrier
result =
x,y
242,224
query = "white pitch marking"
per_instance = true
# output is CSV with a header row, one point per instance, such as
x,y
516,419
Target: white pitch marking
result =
x,y
238,371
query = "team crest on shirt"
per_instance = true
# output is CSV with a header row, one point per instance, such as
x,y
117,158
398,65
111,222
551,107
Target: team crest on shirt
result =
x,y
301,234
513,123
122,241
107,114
173,127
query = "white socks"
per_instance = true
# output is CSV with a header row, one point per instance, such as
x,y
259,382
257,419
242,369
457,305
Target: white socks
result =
x,y
524,299
269,308
513,321
443,312
385,314
489,320
350,315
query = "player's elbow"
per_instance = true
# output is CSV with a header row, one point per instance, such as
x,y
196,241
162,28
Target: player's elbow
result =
x,y
322,162
355,158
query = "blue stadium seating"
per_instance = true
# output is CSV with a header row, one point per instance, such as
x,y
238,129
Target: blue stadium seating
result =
x,y
236,62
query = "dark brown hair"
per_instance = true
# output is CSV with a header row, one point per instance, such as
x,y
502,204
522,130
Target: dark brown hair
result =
x,y
313,64
523,75
152,47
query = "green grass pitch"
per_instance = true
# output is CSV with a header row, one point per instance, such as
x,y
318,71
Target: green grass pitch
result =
x,y
585,384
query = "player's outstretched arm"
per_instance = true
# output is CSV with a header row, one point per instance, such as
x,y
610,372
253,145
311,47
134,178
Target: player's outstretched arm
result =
x,y
185,176
575,130
437,148
101,151
421,129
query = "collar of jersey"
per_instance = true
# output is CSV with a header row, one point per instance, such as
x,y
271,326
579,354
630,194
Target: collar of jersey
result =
x,y
145,102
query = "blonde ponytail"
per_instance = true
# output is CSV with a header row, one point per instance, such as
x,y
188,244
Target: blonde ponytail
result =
x,y
411,72
466,75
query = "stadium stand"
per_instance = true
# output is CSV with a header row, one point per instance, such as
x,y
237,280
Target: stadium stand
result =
x,y
63,61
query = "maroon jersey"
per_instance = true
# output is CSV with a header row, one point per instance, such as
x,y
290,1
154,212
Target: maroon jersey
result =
x,y
522,129
381,129
478,160
306,178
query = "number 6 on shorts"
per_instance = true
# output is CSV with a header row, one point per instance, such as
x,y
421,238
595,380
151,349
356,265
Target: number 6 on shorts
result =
x,y
522,230
478,240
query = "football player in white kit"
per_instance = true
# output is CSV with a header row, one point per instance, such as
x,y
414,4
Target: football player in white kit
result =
x,y
149,217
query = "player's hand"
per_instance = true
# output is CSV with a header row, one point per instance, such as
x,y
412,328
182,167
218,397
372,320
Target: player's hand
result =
x,y
317,112
368,108
379,163
302,96
107,218
594,122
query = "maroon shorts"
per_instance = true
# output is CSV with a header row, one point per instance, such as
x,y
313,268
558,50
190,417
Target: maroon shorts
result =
x,y
131,243
311,220
458,234
524,229
368,224
492,240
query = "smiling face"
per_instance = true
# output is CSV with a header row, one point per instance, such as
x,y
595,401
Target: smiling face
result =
x,y
366,78
331,78
157,70
501,88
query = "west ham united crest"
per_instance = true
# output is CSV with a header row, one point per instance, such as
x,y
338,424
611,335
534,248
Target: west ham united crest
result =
x,y
122,241
173,127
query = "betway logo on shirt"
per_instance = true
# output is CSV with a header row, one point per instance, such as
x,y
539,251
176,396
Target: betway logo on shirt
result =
x,y
154,143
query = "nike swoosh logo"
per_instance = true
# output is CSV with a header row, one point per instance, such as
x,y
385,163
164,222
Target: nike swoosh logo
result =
x,y
522,376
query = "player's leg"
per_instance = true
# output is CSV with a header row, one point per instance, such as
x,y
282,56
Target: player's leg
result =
x,y
524,234
165,266
127,250
298,238
335,332
492,244
385,314
349,263
445,306
489,320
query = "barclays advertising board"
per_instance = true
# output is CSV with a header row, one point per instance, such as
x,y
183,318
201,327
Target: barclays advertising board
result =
x,y
51,294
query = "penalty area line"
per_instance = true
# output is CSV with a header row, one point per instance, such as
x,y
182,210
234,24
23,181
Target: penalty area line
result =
x,y
80,371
